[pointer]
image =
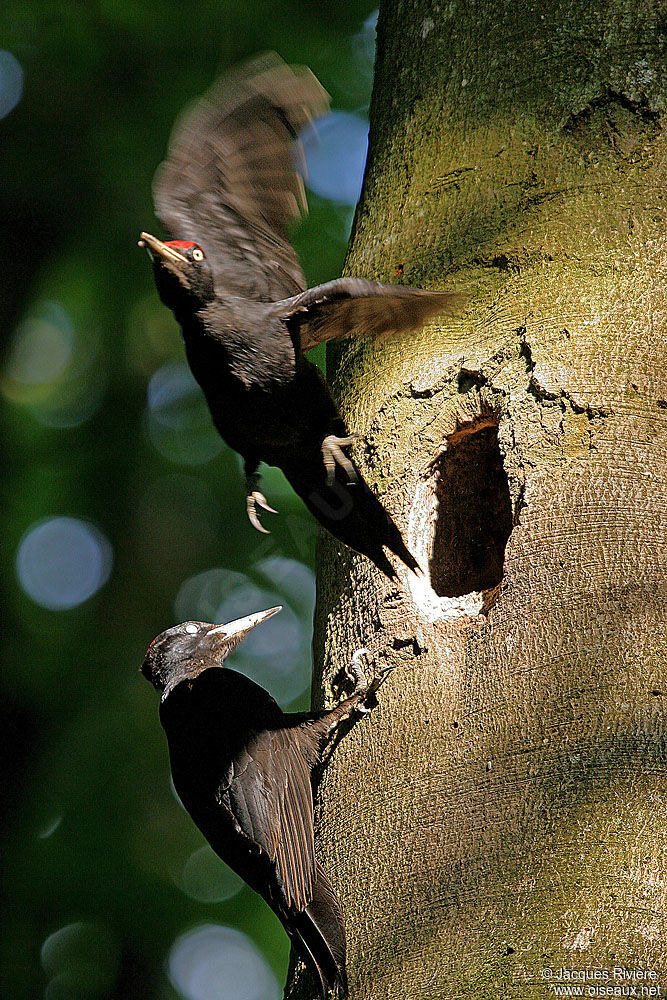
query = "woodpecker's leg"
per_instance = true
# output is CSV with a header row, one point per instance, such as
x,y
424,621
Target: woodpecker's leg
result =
x,y
360,703
333,455
254,498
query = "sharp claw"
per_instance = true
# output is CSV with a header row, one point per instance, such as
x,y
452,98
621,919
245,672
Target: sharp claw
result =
x,y
260,499
346,464
379,680
256,523
252,500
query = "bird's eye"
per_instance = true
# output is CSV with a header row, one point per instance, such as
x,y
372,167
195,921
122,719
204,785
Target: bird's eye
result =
x,y
191,629
197,255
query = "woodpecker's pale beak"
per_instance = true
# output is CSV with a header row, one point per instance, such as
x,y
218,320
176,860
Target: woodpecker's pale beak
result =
x,y
238,628
157,248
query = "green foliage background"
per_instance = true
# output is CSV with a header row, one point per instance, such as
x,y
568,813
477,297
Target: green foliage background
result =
x,y
91,831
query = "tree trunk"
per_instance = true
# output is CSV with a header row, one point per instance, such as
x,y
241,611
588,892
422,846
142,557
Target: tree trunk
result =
x,y
504,813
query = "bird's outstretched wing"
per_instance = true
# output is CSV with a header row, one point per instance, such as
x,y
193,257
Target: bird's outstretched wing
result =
x,y
356,307
271,797
229,180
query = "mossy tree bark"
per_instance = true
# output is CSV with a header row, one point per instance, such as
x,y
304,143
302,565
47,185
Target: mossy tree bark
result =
x,y
505,810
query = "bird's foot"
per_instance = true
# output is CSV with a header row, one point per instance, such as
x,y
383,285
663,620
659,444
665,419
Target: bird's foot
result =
x,y
352,678
355,676
255,499
379,677
358,696
370,699
333,454
362,666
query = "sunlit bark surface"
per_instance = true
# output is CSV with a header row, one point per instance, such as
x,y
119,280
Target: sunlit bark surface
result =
x,y
505,810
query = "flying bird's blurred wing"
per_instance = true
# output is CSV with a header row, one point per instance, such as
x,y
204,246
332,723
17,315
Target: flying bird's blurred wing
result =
x,y
229,180
272,798
356,307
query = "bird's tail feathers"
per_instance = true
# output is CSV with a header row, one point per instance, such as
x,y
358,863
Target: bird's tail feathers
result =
x,y
319,933
396,545
350,512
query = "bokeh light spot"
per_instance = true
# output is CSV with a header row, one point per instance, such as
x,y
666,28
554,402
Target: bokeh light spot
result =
x,y
42,346
11,82
279,636
335,148
206,878
294,580
63,561
218,963
49,827
179,424
52,369
276,654
200,596
82,959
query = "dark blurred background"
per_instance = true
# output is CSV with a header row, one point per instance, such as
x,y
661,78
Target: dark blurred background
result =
x,y
123,511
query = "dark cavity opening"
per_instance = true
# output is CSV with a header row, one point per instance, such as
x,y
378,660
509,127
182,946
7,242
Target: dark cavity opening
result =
x,y
474,514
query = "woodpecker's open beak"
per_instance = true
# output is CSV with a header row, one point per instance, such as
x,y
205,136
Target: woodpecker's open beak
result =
x,y
238,628
157,248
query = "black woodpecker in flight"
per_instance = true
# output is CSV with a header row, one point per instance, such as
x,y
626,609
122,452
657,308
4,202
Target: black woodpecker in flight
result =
x,y
226,193
243,770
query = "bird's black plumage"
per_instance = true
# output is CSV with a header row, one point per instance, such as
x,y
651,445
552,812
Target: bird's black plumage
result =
x,y
227,193
242,768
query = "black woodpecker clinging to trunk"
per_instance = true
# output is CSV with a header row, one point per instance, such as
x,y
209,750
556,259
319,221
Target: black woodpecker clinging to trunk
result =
x,y
226,194
242,769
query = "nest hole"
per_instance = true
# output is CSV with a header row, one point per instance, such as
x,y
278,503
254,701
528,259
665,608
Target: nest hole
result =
x,y
473,517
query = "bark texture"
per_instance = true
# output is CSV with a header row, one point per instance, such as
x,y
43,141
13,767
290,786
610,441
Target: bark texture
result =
x,y
505,810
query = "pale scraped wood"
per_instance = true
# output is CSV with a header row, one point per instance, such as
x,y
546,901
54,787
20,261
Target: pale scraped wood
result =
x,y
505,810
